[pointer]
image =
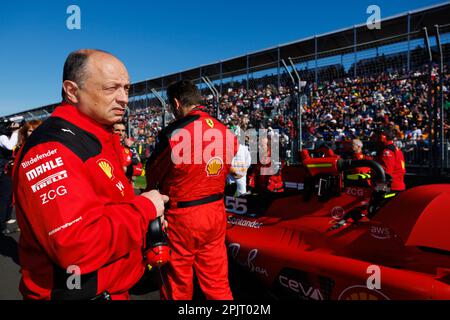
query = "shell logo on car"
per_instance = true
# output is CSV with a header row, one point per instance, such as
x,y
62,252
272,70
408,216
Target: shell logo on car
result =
x,y
361,293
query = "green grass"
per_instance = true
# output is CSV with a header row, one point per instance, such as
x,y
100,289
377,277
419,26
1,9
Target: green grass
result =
x,y
140,183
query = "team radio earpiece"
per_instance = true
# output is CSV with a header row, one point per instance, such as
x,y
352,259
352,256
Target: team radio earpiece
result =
x,y
157,251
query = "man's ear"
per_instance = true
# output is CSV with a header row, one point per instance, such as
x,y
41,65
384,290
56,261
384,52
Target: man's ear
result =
x,y
177,103
70,88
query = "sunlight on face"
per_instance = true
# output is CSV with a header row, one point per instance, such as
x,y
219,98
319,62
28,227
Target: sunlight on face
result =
x,y
104,94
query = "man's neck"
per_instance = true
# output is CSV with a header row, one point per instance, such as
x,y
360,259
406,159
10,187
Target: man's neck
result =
x,y
186,110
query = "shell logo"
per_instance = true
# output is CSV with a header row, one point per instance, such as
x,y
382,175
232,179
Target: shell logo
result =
x,y
106,167
337,213
361,293
214,166
403,165
210,123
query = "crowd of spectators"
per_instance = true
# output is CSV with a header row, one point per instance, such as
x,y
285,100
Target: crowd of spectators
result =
x,y
336,110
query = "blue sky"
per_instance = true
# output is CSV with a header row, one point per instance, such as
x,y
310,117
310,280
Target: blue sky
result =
x,y
154,38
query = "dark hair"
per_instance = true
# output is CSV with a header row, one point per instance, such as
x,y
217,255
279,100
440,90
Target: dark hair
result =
x,y
75,67
24,130
388,132
185,92
120,122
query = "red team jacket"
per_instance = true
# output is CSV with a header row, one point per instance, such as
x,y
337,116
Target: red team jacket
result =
x,y
361,156
392,160
128,161
190,165
262,178
77,211
185,182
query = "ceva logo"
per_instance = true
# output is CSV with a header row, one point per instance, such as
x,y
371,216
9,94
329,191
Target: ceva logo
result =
x,y
296,286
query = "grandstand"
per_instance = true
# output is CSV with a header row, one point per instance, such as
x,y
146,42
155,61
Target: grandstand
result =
x,y
387,75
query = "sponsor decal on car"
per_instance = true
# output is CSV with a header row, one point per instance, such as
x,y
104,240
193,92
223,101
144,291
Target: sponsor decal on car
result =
x,y
302,285
337,213
355,192
236,205
234,249
244,222
362,293
294,185
254,268
249,263
307,292
380,233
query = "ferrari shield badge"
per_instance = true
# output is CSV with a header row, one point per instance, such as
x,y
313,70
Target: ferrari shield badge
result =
x,y
210,123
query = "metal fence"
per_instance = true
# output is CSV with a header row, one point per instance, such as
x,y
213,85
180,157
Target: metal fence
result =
x,y
411,53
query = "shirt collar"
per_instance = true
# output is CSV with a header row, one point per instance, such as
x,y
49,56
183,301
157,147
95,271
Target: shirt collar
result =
x,y
198,109
72,114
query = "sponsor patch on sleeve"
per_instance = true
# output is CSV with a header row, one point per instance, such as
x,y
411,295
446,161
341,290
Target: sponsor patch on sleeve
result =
x,y
107,168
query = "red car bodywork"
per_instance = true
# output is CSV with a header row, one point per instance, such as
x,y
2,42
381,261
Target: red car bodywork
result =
x,y
294,245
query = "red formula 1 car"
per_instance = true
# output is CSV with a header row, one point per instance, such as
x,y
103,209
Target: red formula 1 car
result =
x,y
343,238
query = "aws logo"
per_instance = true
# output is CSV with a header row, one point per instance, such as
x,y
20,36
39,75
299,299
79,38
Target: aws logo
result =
x,y
214,167
107,168
380,232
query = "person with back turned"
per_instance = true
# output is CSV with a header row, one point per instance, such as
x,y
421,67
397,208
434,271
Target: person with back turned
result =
x,y
192,173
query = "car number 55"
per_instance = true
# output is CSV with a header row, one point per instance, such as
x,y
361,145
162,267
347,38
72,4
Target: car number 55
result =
x,y
236,205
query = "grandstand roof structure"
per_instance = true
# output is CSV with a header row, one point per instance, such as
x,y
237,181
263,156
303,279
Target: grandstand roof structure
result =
x,y
411,23
408,25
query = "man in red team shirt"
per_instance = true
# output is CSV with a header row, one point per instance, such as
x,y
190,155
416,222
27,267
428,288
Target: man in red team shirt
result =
x,y
186,167
266,176
83,228
357,154
130,160
390,158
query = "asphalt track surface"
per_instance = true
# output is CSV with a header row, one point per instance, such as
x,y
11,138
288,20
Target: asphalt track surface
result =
x,y
9,267
242,285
